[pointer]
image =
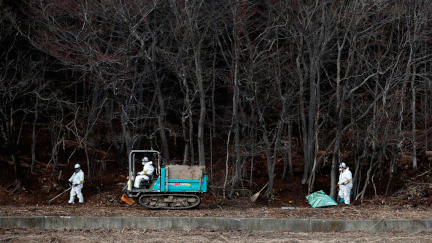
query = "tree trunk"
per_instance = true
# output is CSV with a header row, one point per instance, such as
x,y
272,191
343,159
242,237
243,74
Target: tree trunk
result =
x,y
185,138
311,124
202,97
20,176
413,120
235,115
161,121
290,148
126,131
10,141
339,111
33,147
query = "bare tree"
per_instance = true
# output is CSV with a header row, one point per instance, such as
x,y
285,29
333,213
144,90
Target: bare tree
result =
x,y
17,74
111,44
311,35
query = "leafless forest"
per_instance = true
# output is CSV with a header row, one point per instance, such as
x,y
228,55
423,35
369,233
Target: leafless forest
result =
x,y
227,83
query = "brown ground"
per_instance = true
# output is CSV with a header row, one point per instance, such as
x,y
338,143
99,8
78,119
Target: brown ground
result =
x,y
410,200
142,235
337,212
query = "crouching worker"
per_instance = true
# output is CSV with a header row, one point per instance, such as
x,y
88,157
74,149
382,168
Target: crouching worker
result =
x,y
77,181
146,173
345,183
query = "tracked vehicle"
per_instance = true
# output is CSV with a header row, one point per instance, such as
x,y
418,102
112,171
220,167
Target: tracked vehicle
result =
x,y
170,186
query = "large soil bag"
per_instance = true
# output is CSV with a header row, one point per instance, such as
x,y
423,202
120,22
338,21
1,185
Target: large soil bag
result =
x,y
320,199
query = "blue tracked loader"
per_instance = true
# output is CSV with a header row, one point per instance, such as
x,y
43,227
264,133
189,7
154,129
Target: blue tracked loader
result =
x,y
169,187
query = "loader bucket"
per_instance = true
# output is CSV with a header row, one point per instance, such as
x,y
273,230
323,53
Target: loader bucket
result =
x,y
127,199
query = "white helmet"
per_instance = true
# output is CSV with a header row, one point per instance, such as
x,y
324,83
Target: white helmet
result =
x,y
77,166
342,165
145,159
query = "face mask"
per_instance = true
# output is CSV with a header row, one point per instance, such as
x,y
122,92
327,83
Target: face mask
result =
x,y
340,169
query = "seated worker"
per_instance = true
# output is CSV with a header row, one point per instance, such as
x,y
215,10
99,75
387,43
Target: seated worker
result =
x,y
146,173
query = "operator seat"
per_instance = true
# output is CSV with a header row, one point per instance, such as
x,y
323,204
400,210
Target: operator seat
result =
x,y
145,184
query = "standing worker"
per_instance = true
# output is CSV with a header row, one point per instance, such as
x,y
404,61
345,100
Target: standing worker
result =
x,y
77,181
345,183
146,173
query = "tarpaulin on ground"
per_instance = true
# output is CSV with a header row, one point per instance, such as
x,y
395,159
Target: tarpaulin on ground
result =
x,y
320,199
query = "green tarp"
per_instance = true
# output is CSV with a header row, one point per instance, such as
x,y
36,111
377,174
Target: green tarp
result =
x,y
320,199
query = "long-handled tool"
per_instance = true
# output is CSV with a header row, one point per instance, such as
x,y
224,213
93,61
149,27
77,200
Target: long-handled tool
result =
x,y
256,195
49,202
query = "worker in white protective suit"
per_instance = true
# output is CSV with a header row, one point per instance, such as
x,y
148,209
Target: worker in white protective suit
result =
x,y
146,173
345,183
76,182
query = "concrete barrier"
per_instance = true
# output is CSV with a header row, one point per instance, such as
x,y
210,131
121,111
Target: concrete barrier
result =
x,y
230,224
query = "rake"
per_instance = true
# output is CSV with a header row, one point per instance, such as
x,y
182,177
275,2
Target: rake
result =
x,y
256,195
49,202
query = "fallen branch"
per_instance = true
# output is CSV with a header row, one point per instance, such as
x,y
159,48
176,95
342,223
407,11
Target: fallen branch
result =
x,y
420,175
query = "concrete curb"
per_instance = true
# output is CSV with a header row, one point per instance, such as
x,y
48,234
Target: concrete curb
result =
x,y
229,224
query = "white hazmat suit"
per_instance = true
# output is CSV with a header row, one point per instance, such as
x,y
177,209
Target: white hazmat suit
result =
x,y
345,183
77,181
145,174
